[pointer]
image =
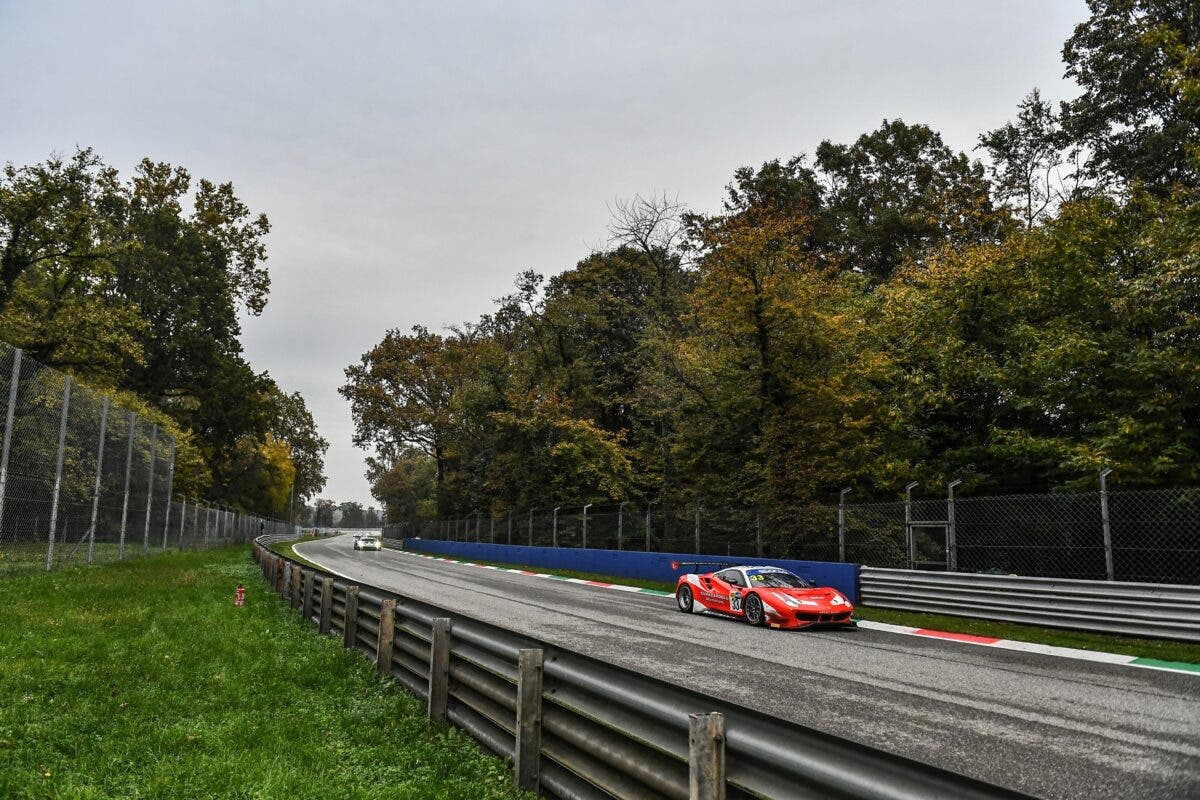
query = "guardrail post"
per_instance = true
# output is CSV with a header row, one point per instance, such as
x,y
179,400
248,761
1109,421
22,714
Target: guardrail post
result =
x,y
706,756
387,632
326,604
1109,572
439,669
14,383
350,618
62,444
306,602
527,759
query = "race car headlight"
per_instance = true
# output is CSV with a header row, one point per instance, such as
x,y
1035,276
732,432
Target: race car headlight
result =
x,y
837,600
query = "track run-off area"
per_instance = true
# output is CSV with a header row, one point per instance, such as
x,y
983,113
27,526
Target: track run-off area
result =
x,y
1049,726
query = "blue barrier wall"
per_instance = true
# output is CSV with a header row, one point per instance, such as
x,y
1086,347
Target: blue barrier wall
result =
x,y
634,563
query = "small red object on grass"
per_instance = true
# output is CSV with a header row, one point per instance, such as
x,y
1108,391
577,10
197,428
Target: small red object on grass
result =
x,y
239,596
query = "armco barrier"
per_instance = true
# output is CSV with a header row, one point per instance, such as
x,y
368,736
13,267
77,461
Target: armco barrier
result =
x,y
581,729
633,563
1159,610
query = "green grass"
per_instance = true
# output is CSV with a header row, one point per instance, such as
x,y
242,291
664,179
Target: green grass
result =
x,y
143,680
1129,645
285,549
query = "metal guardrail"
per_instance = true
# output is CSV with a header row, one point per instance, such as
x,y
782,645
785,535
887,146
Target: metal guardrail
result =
x,y
1165,611
581,729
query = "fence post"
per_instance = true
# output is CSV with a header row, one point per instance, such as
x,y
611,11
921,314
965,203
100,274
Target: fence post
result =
x,y
170,486
1109,572
207,523
510,513
909,544
527,761
697,525
350,618
842,524
621,524
387,631
58,464
8,424
491,528
706,756
648,506
326,605
554,530
531,527
758,539
182,521
478,525
99,474
150,488
439,669
951,537
128,469
585,510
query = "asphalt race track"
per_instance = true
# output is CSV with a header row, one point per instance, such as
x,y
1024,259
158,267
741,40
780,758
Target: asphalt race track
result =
x,y
1049,726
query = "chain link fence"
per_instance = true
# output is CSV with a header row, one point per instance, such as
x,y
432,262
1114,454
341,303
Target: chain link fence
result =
x,y
85,480
1150,535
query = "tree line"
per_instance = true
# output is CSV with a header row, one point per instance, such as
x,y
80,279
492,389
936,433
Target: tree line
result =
x,y
877,312
133,285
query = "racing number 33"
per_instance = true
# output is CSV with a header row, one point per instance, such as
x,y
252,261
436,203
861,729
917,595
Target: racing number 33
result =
x,y
735,600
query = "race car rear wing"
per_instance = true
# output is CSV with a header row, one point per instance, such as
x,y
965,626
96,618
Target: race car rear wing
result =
x,y
689,566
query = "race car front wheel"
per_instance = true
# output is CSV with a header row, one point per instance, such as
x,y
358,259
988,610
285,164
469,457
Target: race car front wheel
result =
x,y
754,610
683,597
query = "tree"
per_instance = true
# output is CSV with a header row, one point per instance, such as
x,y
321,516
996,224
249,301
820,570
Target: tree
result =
x,y
1031,173
400,394
293,424
323,515
1138,117
353,515
1067,350
58,295
895,195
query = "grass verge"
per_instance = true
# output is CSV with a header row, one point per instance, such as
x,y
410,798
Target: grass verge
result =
x,y
285,549
1162,649
143,680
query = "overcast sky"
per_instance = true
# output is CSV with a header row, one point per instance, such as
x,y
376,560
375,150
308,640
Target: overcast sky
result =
x,y
413,158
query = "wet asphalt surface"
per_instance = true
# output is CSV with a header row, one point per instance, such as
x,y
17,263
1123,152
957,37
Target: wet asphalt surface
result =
x,y
1049,726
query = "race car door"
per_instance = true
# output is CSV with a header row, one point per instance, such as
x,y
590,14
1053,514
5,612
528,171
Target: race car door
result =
x,y
733,585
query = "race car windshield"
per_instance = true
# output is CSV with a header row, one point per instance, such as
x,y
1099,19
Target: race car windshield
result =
x,y
779,580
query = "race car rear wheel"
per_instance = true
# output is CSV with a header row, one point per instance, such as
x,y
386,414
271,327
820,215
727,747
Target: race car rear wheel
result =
x,y
754,610
683,598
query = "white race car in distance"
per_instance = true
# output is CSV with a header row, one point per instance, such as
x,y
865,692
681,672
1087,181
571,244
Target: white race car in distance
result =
x,y
367,541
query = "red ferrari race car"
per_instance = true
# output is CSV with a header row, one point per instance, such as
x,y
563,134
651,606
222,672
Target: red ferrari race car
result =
x,y
765,595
